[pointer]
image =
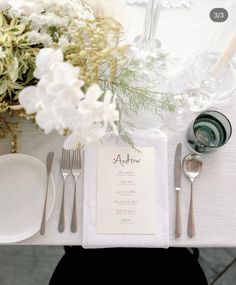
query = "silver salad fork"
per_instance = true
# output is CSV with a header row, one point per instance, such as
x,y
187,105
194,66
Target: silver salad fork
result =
x,y
65,172
76,171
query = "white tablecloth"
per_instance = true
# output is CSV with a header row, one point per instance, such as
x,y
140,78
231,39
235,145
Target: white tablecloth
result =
x,y
181,33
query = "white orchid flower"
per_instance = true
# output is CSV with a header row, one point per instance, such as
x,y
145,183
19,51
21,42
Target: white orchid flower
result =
x,y
35,98
69,117
47,120
97,111
65,84
90,107
58,118
84,136
59,102
46,59
30,99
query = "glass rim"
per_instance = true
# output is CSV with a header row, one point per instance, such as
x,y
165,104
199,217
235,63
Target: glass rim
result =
x,y
199,54
230,125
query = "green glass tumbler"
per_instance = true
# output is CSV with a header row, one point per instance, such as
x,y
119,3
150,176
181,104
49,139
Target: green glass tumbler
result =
x,y
209,131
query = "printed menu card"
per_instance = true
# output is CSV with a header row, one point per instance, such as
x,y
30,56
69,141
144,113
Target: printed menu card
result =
x,y
126,190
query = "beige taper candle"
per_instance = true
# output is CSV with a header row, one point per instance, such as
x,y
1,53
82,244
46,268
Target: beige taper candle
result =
x,y
225,57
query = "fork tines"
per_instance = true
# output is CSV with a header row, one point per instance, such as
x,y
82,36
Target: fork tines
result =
x,y
65,160
76,159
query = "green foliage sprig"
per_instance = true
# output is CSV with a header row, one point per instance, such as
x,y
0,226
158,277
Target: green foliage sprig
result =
x,y
135,92
17,61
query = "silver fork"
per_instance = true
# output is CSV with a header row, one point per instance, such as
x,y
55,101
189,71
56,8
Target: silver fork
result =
x,y
65,172
76,171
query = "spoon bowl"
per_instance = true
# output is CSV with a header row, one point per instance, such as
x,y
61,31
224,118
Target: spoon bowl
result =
x,y
192,166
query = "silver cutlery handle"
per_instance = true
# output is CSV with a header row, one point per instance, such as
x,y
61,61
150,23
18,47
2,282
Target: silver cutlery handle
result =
x,y
43,222
61,225
191,225
178,224
74,213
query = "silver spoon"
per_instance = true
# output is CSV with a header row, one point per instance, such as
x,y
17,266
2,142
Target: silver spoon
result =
x,y
192,165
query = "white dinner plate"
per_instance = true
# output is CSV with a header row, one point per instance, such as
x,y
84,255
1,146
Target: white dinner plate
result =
x,y
22,194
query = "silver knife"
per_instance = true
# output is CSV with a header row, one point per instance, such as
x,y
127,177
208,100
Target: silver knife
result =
x,y
49,162
177,185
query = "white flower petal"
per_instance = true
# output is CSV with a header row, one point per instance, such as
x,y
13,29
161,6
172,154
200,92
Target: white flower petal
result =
x,y
64,95
48,121
91,107
84,136
45,61
71,97
107,98
93,93
65,71
70,118
29,98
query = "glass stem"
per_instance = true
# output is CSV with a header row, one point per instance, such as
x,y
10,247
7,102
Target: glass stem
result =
x,y
151,20
155,18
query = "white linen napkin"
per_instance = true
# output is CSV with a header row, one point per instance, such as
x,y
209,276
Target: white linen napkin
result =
x,y
90,239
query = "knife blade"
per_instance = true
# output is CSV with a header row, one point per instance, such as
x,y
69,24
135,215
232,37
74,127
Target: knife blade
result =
x,y
49,162
177,187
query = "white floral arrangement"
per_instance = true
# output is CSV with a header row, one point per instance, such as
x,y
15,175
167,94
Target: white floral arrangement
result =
x,y
60,103
69,70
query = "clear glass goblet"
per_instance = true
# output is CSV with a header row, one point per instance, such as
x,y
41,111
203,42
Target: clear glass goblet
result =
x,y
146,43
207,90
200,89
